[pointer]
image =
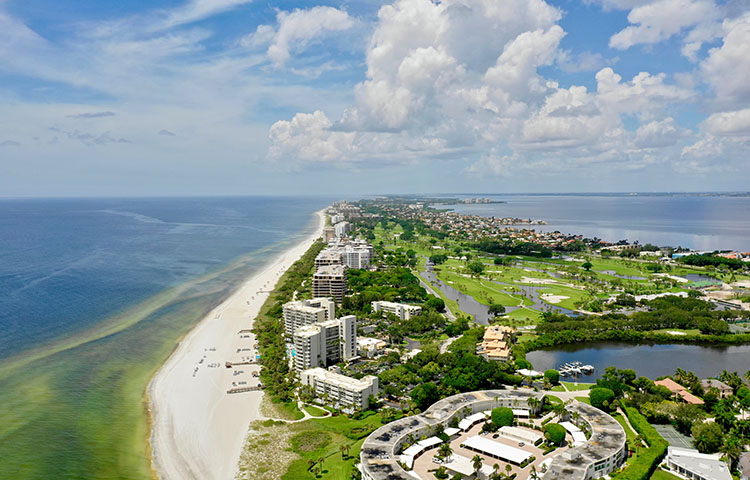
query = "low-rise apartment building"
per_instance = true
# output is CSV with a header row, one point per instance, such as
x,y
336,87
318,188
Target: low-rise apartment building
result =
x,y
306,312
339,390
401,310
325,343
496,343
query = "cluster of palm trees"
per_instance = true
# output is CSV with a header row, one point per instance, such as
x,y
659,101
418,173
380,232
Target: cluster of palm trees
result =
x,y
476,464
315,466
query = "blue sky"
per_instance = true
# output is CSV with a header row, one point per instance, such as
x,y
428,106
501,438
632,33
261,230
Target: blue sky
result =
x,y
250,97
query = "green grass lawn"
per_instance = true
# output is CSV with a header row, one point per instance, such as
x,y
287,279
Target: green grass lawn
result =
x,y
630,434
574,295
663,475
315,411
584,400
321,438
526,316
575,388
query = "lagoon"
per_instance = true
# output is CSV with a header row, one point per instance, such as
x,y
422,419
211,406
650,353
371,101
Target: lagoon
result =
x,y
649,360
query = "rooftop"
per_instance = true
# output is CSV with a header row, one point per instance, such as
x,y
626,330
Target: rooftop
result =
x,y
673,386
713,383
705,465
379,456
339,380
496,449
607,439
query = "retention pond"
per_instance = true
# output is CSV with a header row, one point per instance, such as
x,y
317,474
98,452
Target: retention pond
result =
x,y
649,360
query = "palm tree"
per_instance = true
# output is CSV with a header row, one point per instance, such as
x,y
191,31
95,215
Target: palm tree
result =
x,y
508,469
476,463
560,410
534,403
310,464
445,450
532,473
732,451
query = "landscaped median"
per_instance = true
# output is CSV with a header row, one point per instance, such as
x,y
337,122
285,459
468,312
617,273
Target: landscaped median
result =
x,y
645,464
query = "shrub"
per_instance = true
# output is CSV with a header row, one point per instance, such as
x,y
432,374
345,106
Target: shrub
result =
x,y
644,465
553,376
601,397
502,417
554,433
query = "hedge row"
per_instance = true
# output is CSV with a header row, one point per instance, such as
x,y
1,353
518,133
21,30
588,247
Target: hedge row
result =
x,y
645,464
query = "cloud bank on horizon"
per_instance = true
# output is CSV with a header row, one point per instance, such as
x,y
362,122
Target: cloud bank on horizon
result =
x,y
486,92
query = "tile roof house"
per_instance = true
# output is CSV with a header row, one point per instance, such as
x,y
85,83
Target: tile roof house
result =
x,y
724,389
679,391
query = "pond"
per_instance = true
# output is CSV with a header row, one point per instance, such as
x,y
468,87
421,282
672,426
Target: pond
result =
x,y
697,277
649,360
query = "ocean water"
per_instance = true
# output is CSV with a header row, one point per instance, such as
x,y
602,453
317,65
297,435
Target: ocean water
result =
x,y
692,221
94,295
66,264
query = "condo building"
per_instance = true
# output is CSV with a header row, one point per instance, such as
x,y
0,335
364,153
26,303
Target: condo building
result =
x,y
339,390
496,343
328,234
325,343
306,312
328,256
330,281
401,310
342,229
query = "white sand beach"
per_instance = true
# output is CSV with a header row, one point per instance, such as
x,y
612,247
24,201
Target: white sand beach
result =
x,y
198,429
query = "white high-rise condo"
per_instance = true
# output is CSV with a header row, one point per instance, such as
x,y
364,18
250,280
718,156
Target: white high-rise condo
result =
x,y
306,312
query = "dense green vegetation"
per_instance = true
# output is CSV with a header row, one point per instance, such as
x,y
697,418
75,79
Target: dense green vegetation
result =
x,y
713,260
665,312
647,461
269,327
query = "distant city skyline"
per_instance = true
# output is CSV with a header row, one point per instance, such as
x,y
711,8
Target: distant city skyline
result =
x,y
241,97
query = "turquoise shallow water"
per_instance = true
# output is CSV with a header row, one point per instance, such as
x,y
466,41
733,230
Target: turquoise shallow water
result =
x,y
95,295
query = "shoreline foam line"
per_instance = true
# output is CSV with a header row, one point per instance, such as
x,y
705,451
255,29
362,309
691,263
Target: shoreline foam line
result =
x,y
197,429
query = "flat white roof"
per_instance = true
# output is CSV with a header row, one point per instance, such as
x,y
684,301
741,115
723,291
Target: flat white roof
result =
x,y
407,460
496,449
706,465
413,450
521,434
464,466
521,412
450,431
579,438
570,427
430,442
471,420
